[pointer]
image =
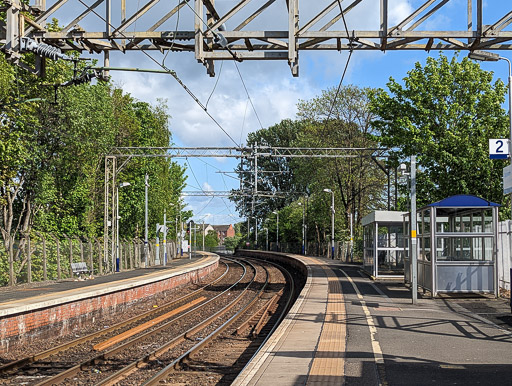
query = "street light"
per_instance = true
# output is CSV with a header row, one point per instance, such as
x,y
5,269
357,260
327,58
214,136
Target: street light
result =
x,y
277,232
266,229
146,241
303,228
332,221
121,185
485,56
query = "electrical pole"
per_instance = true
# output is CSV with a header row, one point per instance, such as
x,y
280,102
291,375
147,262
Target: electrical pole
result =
x,y
351,239
414,257
255,190
146,246
190,240
165,237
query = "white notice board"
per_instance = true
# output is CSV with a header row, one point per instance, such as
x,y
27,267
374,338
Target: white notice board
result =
x,y
507,179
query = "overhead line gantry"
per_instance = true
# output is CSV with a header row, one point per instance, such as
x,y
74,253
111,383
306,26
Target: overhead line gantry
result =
x,y
219,33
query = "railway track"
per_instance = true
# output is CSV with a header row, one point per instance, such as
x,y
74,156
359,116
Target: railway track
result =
x,y
153,347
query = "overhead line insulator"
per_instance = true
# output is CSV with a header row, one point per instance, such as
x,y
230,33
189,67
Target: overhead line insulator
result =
x,y
42,49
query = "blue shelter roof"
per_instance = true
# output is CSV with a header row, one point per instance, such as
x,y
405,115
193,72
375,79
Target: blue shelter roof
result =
x,y
463,200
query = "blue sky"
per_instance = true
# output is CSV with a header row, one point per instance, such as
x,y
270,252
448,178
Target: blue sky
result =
x,y
273,90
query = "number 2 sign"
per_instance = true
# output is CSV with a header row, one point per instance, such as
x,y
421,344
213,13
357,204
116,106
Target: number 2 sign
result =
x,y
498,148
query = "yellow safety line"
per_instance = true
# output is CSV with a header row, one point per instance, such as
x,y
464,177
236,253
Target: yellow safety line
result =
x,y
328,366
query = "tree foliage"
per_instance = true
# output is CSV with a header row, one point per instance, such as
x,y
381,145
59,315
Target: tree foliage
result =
x,y
445,112
52,152
325,121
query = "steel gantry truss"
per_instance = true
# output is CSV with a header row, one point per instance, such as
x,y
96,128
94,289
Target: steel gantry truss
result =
x,y
118,157
225,31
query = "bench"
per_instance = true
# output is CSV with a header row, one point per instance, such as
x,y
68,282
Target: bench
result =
x,y
79,268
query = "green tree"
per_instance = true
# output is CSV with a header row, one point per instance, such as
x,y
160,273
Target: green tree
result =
x,y
445,112
343,122
232,242
211,240
274,174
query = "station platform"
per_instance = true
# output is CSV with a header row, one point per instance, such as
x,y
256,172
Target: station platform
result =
x,y
46,309
346,329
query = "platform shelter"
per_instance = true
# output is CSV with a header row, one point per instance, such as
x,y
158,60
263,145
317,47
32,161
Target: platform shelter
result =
x,y
384,244
457,246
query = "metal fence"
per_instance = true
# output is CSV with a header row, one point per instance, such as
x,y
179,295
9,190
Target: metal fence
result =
x,y
342,250
46,257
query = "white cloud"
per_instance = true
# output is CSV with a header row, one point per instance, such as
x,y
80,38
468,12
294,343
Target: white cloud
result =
x,y
273,90
207,187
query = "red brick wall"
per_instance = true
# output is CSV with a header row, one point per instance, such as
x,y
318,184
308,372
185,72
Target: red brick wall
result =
x,y
64,318
230,232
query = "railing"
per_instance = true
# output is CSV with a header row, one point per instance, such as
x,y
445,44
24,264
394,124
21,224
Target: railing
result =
x,y
342,249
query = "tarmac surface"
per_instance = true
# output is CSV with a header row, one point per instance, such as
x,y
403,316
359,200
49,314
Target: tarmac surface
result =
x,y
347,329
448,341
23,291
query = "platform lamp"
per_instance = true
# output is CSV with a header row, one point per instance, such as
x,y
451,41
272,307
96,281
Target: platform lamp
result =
x,y
332,221
485,56
121,185
303,227
277,232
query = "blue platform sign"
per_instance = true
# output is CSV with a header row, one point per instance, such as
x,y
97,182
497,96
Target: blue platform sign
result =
x,y
498,148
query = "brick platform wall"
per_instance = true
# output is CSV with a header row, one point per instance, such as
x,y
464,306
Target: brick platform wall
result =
x,y
63,319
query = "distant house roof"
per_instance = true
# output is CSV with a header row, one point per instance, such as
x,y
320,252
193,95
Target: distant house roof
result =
x,y
221,228
463,200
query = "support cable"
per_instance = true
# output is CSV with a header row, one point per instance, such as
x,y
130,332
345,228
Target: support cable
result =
x,y
215,86
346,65
174,38
194,175
248,96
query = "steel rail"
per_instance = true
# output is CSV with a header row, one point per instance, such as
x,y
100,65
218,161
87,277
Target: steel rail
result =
x,y
63,347
283,313
56,379
142,362
177,363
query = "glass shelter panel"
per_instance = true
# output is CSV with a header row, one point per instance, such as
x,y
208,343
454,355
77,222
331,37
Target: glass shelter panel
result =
x,y
457,221
464,248
426,221
390,261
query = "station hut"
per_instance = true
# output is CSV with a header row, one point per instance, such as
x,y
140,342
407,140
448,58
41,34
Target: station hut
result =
x,y
457,246
383,244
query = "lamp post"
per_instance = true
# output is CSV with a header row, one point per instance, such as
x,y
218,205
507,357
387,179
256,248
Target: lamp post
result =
x,y
332,221
266,229
485,56
413,226
303,228
146,246
277,232
121,185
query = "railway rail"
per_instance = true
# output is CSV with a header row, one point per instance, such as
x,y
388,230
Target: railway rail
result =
x,y
154,346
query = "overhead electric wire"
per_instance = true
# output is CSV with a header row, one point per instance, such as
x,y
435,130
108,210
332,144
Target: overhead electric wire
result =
x,y
174,37
194,175
169,71
248,96
215,86
204,207
243,122
346,65
236,65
